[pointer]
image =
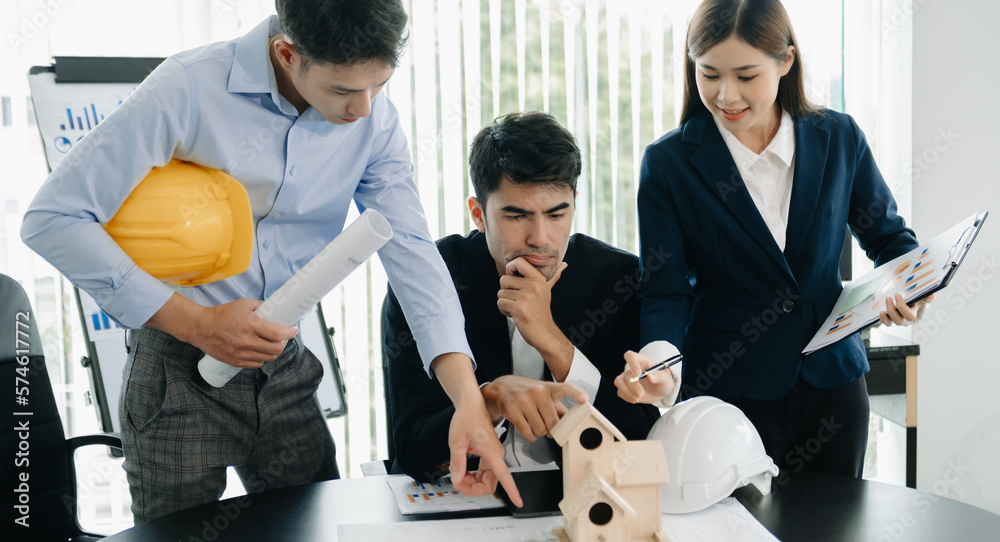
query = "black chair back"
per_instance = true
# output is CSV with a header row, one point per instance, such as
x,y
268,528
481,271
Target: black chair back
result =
x,y
390,440
37,464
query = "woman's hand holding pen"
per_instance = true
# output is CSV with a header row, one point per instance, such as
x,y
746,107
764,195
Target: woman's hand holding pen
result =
x,y
651,389
899,313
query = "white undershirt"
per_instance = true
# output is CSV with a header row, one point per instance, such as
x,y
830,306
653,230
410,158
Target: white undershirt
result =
x,y
768,175
528,362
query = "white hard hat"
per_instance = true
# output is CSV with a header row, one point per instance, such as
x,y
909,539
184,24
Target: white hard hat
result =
x,y
712,449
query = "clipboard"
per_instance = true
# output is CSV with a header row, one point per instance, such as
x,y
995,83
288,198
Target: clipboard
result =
x,y
916,275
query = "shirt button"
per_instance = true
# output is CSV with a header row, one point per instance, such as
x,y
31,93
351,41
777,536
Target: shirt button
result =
x,y
293,171
267,244
788,306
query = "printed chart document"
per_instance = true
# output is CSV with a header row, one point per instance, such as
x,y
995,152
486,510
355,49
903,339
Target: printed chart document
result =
x,y
413,497
916,274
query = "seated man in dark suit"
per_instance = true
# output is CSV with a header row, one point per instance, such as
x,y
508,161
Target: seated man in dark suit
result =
x,y
548,315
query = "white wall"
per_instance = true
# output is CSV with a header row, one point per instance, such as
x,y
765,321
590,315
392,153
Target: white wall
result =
x,y
956,146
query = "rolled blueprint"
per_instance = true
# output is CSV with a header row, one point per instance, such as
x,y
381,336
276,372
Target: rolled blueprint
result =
x,y
293,300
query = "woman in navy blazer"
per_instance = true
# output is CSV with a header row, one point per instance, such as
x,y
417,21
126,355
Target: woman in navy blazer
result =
x,y
741,262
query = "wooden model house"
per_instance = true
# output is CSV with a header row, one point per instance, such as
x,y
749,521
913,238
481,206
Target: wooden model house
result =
x,y
611,487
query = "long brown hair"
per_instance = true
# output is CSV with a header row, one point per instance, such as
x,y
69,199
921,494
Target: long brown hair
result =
x,y
763,24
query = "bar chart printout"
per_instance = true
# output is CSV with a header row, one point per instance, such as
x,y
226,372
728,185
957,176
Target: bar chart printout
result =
x,y
915,274
413,497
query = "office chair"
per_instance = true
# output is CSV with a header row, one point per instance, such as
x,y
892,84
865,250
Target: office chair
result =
x,y
390,441
38,458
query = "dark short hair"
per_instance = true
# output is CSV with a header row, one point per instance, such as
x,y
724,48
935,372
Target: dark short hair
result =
x,y
763,24
344,31
527,147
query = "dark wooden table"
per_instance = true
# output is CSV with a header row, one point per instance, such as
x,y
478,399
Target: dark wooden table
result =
x,y
815,507
801,507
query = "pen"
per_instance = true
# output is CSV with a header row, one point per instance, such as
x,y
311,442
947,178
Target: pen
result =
x,y
669,362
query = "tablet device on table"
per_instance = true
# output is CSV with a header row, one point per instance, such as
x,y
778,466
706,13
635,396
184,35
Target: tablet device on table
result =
x,y
541,491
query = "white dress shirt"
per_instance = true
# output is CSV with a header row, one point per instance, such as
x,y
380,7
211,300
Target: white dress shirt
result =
x,y
768,175
527,362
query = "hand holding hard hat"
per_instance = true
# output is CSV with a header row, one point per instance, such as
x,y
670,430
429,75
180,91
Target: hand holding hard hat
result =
x,y
188,224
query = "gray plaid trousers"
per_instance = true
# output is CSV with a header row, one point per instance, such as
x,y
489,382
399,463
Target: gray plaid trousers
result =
x,y
179,433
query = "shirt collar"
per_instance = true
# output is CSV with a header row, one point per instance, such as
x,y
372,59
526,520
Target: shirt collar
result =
x,y
782,146
252,71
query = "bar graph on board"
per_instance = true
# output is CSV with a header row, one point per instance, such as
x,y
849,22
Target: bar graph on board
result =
x,y
75,123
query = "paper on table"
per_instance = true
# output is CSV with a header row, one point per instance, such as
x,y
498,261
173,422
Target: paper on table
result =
x,y
414,497
723,521
498,529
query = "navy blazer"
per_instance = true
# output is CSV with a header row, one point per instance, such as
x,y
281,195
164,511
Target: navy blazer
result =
x,y
595,304
715,283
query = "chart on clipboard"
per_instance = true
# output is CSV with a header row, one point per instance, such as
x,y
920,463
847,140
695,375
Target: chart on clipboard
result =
x,y
916,275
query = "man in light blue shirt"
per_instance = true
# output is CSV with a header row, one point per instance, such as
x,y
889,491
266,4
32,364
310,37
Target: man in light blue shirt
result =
x,y
294,111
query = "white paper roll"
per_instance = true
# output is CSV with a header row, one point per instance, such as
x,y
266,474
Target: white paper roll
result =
x,y
325,270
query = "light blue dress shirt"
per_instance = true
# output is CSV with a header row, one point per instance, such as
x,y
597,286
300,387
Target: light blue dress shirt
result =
x,y
219,106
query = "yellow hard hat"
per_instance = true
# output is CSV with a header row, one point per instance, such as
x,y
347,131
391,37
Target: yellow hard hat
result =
x,y
186,224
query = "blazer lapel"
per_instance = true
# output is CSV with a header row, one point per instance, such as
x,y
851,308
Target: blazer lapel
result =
x,y
477,284
717,169
811,146
568,296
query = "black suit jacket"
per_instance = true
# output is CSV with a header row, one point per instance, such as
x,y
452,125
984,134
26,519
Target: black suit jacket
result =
x,y
594,304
